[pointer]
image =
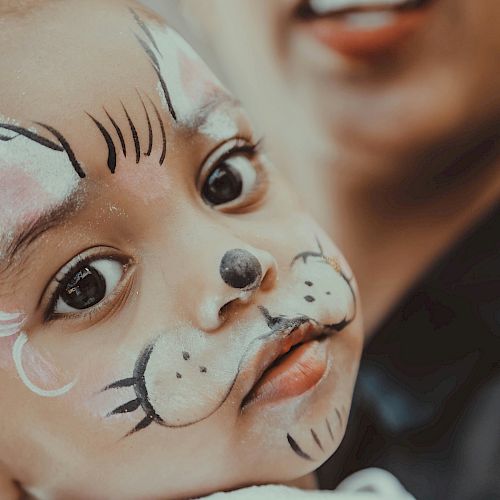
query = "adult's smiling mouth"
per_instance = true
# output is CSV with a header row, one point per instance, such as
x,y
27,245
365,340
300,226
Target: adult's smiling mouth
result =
x,y
289,362
362,28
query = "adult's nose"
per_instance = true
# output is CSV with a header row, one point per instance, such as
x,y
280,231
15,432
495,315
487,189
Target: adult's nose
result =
x,y
242,273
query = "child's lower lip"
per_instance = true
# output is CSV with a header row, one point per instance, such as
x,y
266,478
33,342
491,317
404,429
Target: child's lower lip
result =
x,y
293,374
351,38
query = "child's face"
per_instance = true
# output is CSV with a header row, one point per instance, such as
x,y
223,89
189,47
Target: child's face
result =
x,y
155,270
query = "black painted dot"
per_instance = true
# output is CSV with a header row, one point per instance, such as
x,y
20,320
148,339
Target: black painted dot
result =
x,y
178,375
203,369
309,283
185,355
328,293
309,298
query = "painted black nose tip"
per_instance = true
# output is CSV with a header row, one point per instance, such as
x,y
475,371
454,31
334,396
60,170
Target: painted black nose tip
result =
x,y
240,269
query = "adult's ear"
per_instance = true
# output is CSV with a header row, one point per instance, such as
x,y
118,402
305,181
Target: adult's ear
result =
x,y
9,489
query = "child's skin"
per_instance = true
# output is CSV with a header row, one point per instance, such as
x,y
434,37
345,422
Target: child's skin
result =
x,y
164,265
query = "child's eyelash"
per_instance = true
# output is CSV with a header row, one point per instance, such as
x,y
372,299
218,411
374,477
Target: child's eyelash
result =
x,y
68,271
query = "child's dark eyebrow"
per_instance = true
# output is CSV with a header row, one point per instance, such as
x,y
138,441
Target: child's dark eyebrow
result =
x,y
28,233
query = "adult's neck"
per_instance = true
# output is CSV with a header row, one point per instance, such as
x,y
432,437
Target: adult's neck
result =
x,y
393,221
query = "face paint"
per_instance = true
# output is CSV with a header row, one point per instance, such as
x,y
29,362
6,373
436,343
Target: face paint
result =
x,y
185,82
10,323
17,355
35,174
219,126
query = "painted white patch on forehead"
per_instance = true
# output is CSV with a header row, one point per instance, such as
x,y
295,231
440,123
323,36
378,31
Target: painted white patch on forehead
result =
x,y
33,179
189,80
219,125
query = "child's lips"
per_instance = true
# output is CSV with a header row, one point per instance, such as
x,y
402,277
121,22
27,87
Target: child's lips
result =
x,y
292,374
289,366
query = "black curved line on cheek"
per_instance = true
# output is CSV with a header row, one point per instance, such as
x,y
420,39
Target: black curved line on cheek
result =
x,y
109,142
140,388
297,449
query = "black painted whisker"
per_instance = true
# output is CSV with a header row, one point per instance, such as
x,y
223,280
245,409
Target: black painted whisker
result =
x,y
316,440
126,408
135,137
125,382
150,128
339,416
163,133
109,142
118,133
145,422
296,448
329,429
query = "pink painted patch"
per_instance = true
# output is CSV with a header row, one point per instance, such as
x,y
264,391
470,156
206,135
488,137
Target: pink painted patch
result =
x,y
21,196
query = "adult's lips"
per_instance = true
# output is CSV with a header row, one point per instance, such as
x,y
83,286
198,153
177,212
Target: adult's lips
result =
x,y
287,364
362,28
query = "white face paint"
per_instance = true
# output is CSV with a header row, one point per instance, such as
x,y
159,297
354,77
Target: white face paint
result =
x,y
219,126
190,82
33,179
10,323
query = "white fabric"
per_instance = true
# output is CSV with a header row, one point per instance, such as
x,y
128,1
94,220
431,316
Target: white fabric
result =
x,y
368,484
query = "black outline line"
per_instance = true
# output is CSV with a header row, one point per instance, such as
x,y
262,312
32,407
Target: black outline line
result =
x,y
32,136
296,448
145,29
135,137
118,133
163,133
328,426
321,254
6,138
155,64
126,408
316,440
67,148
109,142
278,326
339,417
150,128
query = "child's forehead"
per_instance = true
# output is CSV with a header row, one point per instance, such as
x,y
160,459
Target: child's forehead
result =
x,y
101,74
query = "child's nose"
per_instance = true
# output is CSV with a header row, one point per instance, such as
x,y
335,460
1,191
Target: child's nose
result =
x,y
240,269
242,273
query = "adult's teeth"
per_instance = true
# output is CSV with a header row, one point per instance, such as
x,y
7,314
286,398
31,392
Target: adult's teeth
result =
x,y
369,19
330,6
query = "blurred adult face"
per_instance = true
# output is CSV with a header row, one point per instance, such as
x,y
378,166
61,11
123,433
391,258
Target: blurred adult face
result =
x,y
374,81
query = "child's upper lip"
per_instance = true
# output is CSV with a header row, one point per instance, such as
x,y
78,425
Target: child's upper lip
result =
x,y
274,346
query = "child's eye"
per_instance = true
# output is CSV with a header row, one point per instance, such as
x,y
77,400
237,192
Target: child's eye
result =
x,y
231,177
88,286
86,282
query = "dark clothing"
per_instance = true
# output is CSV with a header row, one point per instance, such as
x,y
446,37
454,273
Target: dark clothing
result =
x,y
427,401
